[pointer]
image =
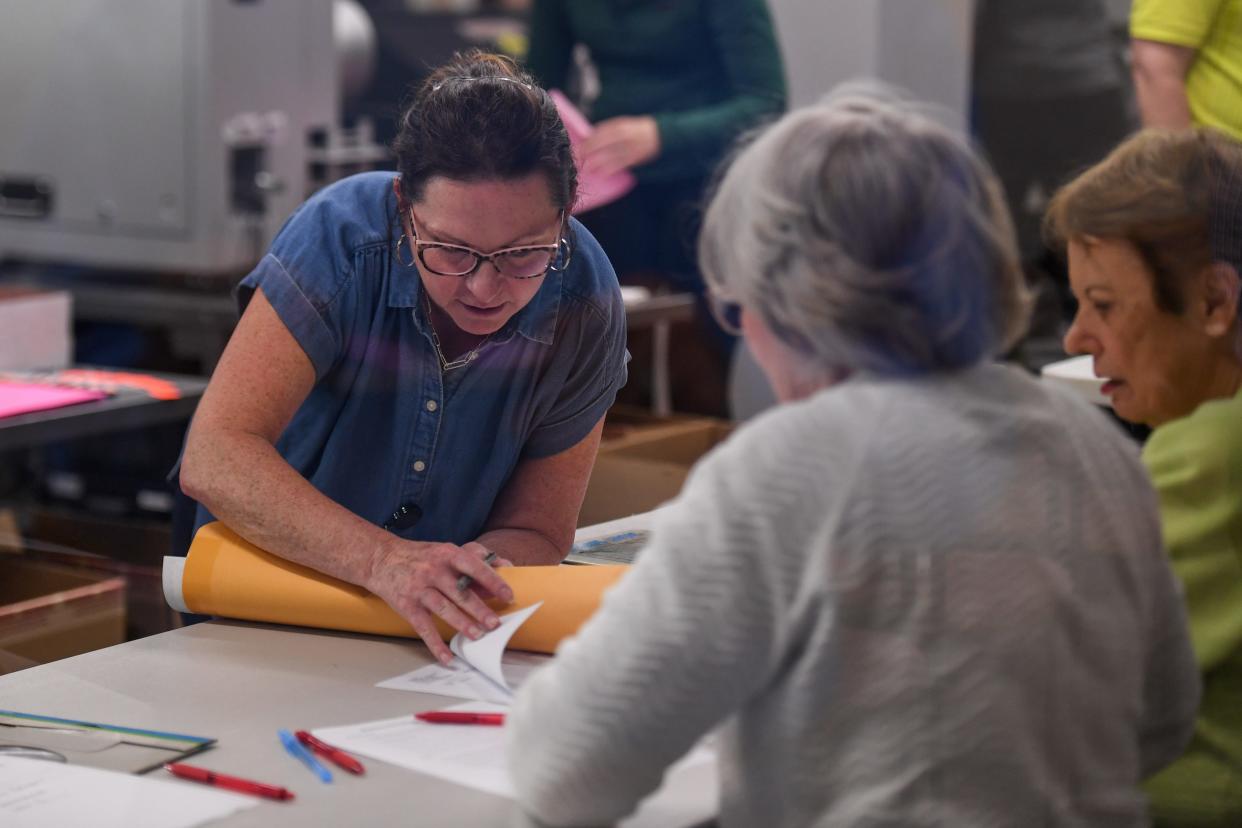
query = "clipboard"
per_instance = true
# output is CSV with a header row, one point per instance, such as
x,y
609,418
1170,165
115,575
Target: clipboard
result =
x,y
621,548
111,747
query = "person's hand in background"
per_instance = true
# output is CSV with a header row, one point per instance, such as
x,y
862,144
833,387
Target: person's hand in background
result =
x,y
621,143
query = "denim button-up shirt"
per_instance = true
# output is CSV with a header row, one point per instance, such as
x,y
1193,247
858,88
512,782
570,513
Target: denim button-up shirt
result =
x,y
383,426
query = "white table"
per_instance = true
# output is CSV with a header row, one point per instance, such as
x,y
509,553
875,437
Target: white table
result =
x,y
239,682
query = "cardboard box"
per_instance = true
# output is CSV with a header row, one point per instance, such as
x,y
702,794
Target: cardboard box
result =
x,y
643,462
110,547
49,612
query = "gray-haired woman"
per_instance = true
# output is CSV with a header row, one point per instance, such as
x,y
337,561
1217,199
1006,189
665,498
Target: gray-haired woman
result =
x,y
925,590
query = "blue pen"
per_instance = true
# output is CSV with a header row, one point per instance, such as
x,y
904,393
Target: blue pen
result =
x,y
298,752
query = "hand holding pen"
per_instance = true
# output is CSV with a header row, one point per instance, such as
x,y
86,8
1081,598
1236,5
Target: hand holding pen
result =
x,y
423,580
465,581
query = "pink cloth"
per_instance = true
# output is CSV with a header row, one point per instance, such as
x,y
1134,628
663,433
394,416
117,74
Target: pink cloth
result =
x,y
25,397
593,190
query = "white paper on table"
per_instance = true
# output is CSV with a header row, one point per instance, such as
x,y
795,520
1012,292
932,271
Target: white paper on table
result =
x,y
471,755
462,681
474,756
482,669
36,793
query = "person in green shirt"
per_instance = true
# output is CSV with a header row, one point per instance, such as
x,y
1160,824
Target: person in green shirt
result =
x,y
1187,63
678,82
1154,235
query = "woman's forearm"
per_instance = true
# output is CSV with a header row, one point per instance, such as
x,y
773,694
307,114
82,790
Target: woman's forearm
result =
x,y
244,482
1160,84
1162,102
524,547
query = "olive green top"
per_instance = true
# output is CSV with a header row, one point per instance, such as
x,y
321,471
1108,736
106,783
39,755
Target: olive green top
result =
x,y
706,69
1196,465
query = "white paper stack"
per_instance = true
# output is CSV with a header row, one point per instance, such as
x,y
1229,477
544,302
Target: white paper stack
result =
x,y
1078,375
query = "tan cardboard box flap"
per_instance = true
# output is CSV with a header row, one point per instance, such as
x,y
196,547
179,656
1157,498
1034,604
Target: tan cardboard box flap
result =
x,y
49,612
644,461
622,486
682,443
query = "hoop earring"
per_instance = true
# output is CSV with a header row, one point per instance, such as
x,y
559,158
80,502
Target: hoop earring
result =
x,y
564,255
397,252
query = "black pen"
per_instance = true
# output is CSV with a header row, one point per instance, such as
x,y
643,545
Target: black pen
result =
x,y
464,582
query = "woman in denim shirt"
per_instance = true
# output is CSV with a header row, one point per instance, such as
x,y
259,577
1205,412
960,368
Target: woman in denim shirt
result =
x,y
423,363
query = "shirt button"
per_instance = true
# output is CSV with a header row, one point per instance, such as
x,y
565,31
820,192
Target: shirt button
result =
x,y
431,405
419,465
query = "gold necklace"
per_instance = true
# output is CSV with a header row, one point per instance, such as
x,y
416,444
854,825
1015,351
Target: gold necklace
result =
x,y
447,365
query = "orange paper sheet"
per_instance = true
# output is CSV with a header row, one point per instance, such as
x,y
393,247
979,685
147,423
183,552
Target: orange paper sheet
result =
x,y
227,576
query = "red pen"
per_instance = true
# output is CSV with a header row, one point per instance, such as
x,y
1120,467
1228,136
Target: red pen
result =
x,y
460,717
222,780
337,755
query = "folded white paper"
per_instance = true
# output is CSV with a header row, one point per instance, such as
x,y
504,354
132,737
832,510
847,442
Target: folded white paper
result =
x,y
482,669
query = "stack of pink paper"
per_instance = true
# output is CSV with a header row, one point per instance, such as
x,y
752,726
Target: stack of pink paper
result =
x,y
25,397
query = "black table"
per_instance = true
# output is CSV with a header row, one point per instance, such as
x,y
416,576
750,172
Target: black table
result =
x,y
128,408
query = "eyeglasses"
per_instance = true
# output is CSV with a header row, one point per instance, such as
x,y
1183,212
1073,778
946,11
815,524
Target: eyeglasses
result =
x,y
525,262
727,313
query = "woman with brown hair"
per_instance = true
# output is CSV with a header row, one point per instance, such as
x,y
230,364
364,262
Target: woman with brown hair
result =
x,y
1155,250
421,371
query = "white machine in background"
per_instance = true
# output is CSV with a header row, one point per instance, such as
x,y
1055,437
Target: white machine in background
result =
x,y
168,136
921,46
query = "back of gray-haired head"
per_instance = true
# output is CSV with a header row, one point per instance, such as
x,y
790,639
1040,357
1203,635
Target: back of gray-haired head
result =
x,y
867,236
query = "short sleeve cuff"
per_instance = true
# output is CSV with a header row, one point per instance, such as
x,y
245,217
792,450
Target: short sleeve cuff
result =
x,y
1165,34
296,310
553,438
1169,23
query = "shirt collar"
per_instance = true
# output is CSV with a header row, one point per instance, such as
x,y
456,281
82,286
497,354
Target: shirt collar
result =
x,y
537,321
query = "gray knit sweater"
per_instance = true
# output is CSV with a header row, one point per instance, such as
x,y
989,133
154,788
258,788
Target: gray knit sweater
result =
x,y
938,602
